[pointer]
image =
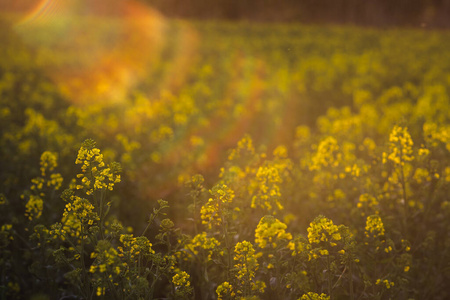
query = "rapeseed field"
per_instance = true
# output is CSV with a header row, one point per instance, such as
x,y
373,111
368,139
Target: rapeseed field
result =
x,y
215,160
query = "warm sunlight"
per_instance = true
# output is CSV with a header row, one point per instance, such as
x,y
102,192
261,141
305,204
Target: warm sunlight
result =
x,y
229,149
97,51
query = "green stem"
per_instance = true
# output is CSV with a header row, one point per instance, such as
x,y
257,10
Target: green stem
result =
x,y
3,279
225,234
148,226
279,289
151,219
351,280
83,266
328,276
405,203
195,215
101,215
112,287
152,287
139,265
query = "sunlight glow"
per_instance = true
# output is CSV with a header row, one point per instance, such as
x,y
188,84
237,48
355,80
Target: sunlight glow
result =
x,y
97,51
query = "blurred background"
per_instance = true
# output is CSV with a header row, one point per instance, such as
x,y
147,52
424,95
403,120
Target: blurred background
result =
x,y
423,13
434,13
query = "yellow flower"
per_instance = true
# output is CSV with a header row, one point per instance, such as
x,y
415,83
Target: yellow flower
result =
x,y
182,284
400,146
181,279
386,282
327,154
225,290
269,230
134,246
243,149
213,211
246,265
95,176
49,161
323,230
3,200
33,208
102,268
201,241
374,226
81,209
268,193
100,291
314,296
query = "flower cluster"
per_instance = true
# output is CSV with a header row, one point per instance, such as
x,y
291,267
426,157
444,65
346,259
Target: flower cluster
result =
x,y
48,182
299,246
327,155
222,193
387,283
182,284
400,147
322,230
422,175
202,242
49,161
246,262
133,247
269,231
225,291
214,211
244,149
210,214
246,265
33,208
435,134
268,192
314,296
5,235
368,204
374,227
81,210
106,259
95,176
323,237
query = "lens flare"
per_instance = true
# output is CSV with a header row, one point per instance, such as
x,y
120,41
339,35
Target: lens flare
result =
x,y
47,10
96,51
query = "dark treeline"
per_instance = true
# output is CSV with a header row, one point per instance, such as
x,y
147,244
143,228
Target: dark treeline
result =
x,y
425,13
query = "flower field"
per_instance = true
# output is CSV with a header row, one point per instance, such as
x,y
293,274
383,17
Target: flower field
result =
x,y
215,160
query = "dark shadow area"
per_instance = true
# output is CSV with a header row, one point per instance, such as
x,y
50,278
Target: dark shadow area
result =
x,y
378,13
